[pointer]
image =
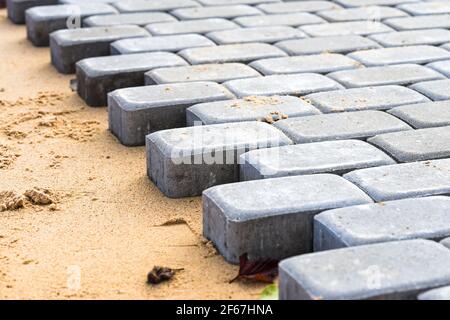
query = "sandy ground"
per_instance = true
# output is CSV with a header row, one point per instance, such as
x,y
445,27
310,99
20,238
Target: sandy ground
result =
x,y
104,234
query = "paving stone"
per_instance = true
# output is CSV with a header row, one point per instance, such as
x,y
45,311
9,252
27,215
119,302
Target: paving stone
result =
x,y
420,22
406,180
426,8
70,46
230,2
136,112
191,26
244,53
16,8
321,63
85,1
339,126
395,270
204,72
442,293
442,67
414,37
369,98
445,242
127,6
337,44
184,162
258,34
424,115
359,3
43,20
138,18
278,224
227,12
361,28
268,109
404,74
100,75
297,6
415,145
371,13
410,54
336,157
163,43
284,19
415,218
435,90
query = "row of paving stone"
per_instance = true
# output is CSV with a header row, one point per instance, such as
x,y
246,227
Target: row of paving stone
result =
x,y
304,186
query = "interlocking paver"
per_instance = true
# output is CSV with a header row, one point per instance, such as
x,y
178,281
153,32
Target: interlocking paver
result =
x,y
393,270
69,46
400,55
268,109
361,28
226,12
426,8
413,37
321,63
420,22
441,66
374,13
424,115
257,34
404,74
336,157
43,20
136,18
172,43
295,19
337,44
297,6
415,145
204,72
136,112
406,180
191,26
368,98
435,90
183,162
127,6
359,3
339,126
230,2
442,293
100,75
244,53
278,224
16,8
415,218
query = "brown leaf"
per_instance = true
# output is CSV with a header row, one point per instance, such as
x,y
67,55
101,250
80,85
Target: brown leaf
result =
x,y
160,274
262,270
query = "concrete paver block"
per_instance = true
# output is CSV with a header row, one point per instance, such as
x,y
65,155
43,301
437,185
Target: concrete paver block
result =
x,y
424,115
201,26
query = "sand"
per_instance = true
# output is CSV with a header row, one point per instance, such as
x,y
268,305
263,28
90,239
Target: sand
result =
x,y
98,225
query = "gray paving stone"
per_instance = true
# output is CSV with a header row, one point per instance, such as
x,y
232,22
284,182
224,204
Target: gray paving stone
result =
x,y
415,145
426,8
204,72
295,19
413,37
337,44
415,218
297,6
16,8
424,115
257,34
163,43
286,84
321,63
396,270
369,98
442,293
43,20
404,74
336,157
435,90
268,109
359,3
420,22
244,53
370,13
361,28
227,12
100,75
190,26
406,180
127,6
445,242
136,112
230,2
442,67
85,1
137,18
410,54
72,45
183,162
339,126
278,224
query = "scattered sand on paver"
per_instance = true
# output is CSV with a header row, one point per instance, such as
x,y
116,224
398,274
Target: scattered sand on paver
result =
x,y
82,220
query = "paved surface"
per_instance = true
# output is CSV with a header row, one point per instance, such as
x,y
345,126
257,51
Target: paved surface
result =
x,y
355,100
